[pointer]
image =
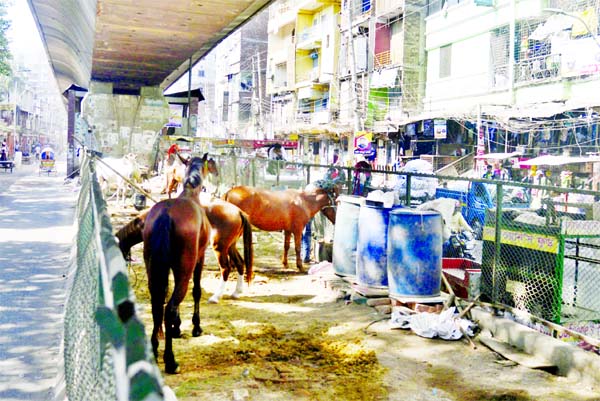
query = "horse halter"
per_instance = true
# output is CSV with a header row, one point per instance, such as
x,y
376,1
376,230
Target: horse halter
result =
x,y
330,196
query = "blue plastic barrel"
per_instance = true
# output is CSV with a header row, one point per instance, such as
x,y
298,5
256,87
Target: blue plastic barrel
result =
x,y
371,248
345,235
414,253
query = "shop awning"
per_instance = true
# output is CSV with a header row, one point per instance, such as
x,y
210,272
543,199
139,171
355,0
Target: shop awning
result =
x,y
498,156
550,160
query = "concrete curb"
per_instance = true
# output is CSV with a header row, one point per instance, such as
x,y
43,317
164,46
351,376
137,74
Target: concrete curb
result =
x,y
570,360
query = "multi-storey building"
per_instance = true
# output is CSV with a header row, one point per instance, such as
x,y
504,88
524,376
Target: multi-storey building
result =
x,y
525,72
375,82
302,67
382,68
239,89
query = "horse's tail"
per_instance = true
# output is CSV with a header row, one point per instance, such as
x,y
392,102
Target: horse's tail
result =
x,y
248,251
160,248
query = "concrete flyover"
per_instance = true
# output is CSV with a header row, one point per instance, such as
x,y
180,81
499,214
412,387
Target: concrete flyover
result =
x,y
133,43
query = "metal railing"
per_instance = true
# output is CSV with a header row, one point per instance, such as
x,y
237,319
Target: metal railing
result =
x,y
107,353
538,69
539,245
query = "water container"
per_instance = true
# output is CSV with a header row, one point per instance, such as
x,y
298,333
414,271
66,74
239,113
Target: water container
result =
x,y
371,248
345,236
414,253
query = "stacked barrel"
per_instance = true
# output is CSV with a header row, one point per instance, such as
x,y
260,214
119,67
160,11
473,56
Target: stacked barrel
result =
x,y
391,251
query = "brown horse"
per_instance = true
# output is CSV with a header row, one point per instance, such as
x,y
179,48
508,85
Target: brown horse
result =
x,y
288,211
175,171
228,224
175,236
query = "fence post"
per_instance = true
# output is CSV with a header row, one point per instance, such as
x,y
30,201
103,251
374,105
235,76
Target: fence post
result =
x,y
408,189
497,236
235,169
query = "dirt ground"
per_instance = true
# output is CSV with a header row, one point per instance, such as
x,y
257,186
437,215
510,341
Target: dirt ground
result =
x,y
293,336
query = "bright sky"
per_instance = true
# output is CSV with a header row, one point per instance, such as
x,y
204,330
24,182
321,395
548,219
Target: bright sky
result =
x,y
24,38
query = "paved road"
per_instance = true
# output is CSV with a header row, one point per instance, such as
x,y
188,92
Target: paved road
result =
x,y
36,235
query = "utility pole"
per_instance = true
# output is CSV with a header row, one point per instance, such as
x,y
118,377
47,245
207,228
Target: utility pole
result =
x,y
258,72
255,109
189,98
353,78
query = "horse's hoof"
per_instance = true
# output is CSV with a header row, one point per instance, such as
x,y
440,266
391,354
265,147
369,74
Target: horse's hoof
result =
x,y
213,300
236,295
172,368
197,332
176,332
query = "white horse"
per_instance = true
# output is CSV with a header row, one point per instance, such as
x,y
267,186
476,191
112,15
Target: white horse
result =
x,y
126,166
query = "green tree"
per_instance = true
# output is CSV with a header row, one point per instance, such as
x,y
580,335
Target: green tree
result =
x,y
5,54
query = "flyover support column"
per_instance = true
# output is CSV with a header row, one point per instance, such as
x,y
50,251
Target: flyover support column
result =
x,y
71,133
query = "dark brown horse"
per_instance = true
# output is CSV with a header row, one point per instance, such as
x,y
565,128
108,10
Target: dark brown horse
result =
x,y
228,224
175,236
175,171
288,211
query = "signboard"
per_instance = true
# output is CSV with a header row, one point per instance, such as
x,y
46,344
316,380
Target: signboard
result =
x,y
534,241
578,57
175,116
254,144
480,148
363,143
439,129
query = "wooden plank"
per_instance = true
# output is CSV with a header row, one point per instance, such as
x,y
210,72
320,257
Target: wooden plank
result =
x,y
515,355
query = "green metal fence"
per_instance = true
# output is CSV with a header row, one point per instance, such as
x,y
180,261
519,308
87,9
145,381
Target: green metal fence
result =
x,y
543,259
107,354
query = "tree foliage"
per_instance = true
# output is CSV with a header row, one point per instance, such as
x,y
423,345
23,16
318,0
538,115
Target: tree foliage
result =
x,y
5,54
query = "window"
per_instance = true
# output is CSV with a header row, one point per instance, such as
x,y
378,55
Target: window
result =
x,y
445,61
225,105
201,73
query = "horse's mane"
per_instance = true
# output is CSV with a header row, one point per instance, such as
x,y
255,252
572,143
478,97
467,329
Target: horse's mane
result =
x,y
193,177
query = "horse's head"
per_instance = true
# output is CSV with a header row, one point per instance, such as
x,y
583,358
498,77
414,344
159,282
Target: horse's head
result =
x,y
193,174
210,166
326,194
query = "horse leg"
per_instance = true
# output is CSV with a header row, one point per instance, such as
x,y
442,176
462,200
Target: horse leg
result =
x,y
167,180
236,259
158,291
286,247
182,278
197,293
223,260
297,245
239,287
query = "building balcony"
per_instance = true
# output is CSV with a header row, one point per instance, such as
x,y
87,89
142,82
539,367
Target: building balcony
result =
x,y
310,5
314,118
383,59
321,117
309,39
307,78
388,8
535,69
280,16
310,92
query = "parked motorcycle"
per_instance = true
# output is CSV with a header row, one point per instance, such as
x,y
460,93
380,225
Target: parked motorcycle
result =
x,y
460,245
